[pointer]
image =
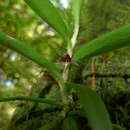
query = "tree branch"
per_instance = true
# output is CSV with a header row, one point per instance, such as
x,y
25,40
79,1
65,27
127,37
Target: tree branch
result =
x,y
98,75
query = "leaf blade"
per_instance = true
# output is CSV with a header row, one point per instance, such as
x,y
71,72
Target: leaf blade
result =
x,y
70,124
37,100
28,52
46,10
111,41
93,106
76,8
45,127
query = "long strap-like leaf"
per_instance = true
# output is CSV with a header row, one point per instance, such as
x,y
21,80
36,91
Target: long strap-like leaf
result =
x,y
28,52
111,41
38,100
76,7
46,10
93,106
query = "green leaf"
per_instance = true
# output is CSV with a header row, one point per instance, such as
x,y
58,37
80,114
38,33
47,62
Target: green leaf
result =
x,y
50,14
77,112
111,41
70,124
76,7
28,52
50,126
46,127
117,127
93,106
38,100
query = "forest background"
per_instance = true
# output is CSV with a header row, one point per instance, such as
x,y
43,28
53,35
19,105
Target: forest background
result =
x,y
108,74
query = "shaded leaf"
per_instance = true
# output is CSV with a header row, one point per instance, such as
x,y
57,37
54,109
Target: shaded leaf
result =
x,y
46,10
111,41
38,100
117,127
70,124
46,127
77,112
93,106
28,52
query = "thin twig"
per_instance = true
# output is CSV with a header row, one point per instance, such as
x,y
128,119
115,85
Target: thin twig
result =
x,y
98,75
38,100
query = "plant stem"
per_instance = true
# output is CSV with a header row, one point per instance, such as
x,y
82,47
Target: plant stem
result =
x,y
75,34
65,77
93,69
65,72
62,93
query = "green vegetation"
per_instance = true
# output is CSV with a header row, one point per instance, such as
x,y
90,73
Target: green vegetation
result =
x,y
61,65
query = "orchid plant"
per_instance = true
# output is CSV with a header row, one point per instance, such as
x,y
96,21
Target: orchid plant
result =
x,y
99,119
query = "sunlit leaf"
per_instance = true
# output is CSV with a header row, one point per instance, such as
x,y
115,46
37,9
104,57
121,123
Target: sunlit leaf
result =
x,y
93,106
111,41
28,52
70,124
50,14
76,7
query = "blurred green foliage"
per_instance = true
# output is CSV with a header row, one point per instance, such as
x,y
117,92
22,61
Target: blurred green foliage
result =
x,y
17,74
21,77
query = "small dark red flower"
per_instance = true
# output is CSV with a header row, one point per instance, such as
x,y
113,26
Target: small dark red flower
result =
x,y
66,59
